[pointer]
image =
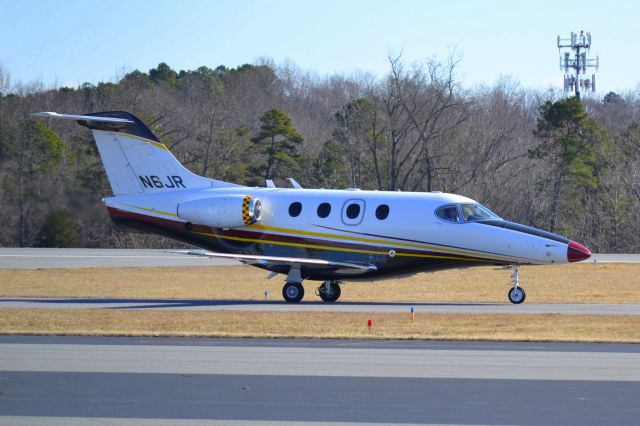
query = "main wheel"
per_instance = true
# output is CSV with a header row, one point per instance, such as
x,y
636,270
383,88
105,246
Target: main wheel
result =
x,y
330,295
292,292
517,295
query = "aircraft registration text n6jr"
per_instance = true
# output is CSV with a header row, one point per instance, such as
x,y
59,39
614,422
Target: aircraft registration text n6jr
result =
x,y
162,182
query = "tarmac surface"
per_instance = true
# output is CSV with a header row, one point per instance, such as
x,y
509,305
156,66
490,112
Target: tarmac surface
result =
x,y
47,258
51,380
281,306
44,258
143,381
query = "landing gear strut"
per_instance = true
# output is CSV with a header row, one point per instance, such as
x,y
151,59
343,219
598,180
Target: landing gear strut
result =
x,y
517,293
329,291
293,292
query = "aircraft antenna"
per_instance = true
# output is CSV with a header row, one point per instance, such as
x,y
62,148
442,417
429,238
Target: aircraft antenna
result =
x,y
574,67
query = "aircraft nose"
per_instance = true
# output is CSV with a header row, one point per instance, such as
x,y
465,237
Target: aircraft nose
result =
x,y
577,252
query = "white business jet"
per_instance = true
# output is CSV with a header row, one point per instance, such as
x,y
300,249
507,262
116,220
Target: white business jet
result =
x,y
307,234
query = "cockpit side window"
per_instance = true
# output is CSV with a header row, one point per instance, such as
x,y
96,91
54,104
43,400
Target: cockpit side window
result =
x,y
448,213
473,212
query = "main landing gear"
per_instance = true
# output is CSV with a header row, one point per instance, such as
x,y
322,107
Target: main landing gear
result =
x,y
293,292
517,293
329,291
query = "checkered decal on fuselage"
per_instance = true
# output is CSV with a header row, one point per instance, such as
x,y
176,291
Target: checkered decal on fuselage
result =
x,y
246,217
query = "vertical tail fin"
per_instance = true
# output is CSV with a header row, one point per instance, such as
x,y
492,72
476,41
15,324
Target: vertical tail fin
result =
x,y
134,158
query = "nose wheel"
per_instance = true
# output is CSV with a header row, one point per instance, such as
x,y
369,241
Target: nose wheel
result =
x,y
517,293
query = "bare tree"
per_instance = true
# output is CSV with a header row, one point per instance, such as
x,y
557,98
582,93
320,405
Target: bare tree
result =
x,y
424,106
360,134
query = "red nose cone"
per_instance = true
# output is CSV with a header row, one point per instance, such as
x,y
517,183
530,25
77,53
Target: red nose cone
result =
x,y
576,252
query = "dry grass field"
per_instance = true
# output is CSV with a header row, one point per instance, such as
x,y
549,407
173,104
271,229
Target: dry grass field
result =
x,y
578,283
582,283
579,328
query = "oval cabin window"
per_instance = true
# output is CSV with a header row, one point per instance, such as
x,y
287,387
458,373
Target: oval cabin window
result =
x,y
382,211
295,209
353,211
324,210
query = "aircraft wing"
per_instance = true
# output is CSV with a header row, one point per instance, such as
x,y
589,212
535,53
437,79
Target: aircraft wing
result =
x,y
355,268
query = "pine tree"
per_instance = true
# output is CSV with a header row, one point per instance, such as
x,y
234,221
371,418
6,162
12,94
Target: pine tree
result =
x,y
278,140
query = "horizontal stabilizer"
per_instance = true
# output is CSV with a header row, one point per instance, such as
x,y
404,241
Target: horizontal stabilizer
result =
x,y
279,261
81,117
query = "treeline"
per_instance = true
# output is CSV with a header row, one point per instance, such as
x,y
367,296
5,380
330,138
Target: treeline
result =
x,y
533,157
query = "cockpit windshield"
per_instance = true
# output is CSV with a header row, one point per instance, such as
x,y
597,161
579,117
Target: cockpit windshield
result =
x,y
448,213
469,213
473,212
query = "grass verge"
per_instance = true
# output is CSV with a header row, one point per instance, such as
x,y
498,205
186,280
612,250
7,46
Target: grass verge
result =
x,y
578,283
521,327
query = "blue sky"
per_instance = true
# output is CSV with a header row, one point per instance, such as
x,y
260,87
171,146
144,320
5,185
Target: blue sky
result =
x,y
68,42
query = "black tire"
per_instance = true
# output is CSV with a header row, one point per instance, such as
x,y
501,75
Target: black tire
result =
x,y
332,295
293,292
517,295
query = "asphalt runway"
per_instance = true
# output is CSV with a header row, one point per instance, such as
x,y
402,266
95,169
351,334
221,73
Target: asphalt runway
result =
x,y
48,258
316,306
144,381
45,258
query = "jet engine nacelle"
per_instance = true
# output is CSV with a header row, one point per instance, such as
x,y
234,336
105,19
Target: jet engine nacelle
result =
x,y
229,211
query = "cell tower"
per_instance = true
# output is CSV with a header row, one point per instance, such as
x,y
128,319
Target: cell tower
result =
x,y
580,44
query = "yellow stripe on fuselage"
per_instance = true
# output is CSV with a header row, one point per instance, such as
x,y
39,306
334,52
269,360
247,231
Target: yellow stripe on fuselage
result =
x,y
370,240
153,210
345,238
320,247
342,249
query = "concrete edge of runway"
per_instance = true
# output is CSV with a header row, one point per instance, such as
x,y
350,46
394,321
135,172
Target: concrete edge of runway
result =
x,y
316,306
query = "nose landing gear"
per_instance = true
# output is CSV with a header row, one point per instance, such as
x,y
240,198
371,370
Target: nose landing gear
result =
x,y
516,293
